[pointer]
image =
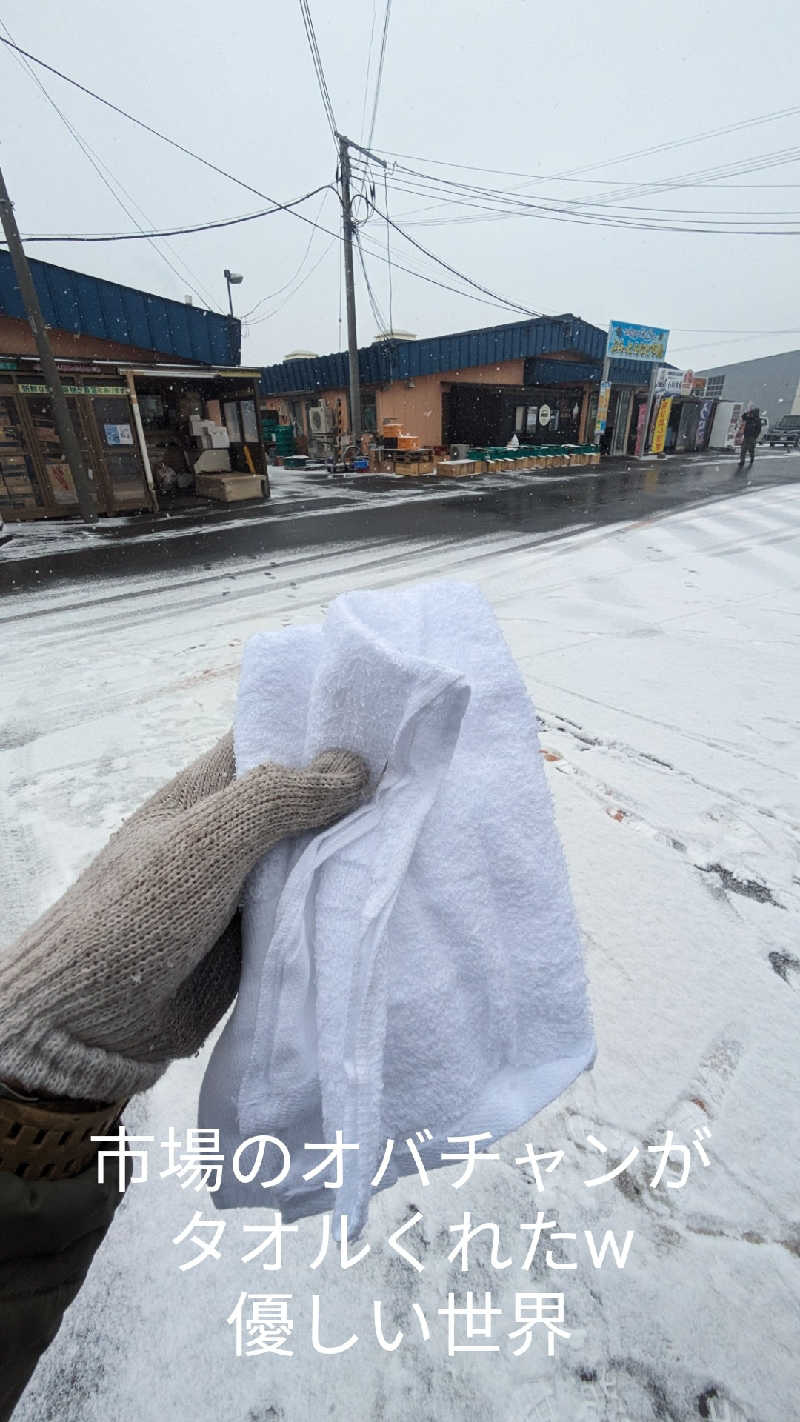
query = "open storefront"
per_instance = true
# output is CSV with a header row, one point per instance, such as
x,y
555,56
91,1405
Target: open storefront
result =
x,y
682,415
150,436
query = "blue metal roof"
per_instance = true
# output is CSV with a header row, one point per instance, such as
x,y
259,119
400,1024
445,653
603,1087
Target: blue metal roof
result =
x,y
403,360
90,306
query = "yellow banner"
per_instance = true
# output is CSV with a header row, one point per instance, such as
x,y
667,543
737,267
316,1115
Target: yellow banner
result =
x,y
660,426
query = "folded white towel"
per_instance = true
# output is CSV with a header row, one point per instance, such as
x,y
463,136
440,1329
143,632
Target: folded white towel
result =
x,y
417,966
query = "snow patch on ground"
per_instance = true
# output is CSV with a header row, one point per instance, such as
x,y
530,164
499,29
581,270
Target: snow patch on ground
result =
x,y
663,660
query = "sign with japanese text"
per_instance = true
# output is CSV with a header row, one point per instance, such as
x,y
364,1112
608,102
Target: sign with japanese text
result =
x,y
660,426
36,388
636,342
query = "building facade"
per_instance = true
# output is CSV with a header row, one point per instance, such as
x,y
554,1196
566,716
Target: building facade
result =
x,y
161,408
770,382
537,378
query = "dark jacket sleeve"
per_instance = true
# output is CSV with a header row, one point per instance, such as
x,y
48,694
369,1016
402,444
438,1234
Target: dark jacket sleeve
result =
x,y
49,1231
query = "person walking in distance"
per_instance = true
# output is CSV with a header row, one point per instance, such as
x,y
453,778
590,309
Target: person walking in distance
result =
x,y
751,429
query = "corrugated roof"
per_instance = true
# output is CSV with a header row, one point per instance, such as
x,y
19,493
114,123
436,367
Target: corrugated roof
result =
x,y
403,360
91,306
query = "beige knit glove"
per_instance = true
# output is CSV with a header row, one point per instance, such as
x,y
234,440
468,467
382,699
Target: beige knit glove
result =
x,y
140,958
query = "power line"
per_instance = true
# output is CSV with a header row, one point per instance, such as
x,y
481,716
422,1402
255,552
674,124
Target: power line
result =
x,y
231,177
615,196
312,234
178,231
269,314
554,177
740,340
429,184
502,300
369,66
376,311
382,57
316,57
98,166
498,204
156,133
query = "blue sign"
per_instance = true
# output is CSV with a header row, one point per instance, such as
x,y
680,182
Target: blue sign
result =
x,y
636,342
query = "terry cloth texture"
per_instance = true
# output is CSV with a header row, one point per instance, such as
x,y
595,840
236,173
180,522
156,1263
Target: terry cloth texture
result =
x,y
417,966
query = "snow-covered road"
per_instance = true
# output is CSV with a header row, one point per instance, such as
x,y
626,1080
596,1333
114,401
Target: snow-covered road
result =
x,y
663,660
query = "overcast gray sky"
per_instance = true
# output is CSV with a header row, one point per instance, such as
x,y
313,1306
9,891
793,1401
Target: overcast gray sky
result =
x,y
510,85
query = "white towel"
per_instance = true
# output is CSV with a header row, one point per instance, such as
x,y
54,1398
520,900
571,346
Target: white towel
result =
x,y
417,967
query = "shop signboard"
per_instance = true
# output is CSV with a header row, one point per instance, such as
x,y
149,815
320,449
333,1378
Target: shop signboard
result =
x,y
687,382
669,382
544,414
660,426
631,342
602,409
36,388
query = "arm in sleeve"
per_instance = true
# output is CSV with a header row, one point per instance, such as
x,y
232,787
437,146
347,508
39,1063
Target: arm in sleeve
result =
x,y
49,1232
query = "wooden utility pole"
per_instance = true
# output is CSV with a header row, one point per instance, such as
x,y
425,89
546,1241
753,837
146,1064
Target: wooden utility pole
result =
x,y
63,422
352,340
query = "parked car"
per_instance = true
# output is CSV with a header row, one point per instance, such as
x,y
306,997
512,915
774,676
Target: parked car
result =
x,y
785,432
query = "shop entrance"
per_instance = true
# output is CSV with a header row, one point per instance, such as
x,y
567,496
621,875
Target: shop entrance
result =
x,y
200,429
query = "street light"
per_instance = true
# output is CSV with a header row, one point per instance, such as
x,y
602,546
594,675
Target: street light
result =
x,y
233,279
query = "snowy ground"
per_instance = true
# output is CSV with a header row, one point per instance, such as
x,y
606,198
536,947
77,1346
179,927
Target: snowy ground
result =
x,y
663,660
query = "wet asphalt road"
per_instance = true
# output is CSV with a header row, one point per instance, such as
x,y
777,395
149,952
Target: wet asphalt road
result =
x,y
623,491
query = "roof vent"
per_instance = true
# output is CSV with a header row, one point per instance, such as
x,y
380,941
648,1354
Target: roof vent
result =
x,y
394,336
301,355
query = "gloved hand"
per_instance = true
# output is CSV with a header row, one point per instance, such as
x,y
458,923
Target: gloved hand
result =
x,y
139,959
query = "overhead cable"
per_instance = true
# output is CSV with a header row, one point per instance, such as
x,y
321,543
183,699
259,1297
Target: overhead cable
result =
x,y
175,231
378,81
231,177
502,300
316,57
188,277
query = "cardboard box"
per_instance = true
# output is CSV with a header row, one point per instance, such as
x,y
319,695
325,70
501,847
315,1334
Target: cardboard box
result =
x,y
229,488
213,411
61,482
18,483
213,461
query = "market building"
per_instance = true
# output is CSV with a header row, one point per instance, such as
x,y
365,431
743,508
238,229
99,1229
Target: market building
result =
x,y
537,378
162,410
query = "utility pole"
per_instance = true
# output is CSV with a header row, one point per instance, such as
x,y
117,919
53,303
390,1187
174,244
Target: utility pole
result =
x,y
63,422
352,341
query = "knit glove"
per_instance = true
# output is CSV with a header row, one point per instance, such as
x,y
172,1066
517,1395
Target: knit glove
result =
x,y
140,958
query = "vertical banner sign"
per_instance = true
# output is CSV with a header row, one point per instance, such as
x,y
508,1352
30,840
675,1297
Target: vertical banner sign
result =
x,y
640,427
602,409
660,426
702,424
630,342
